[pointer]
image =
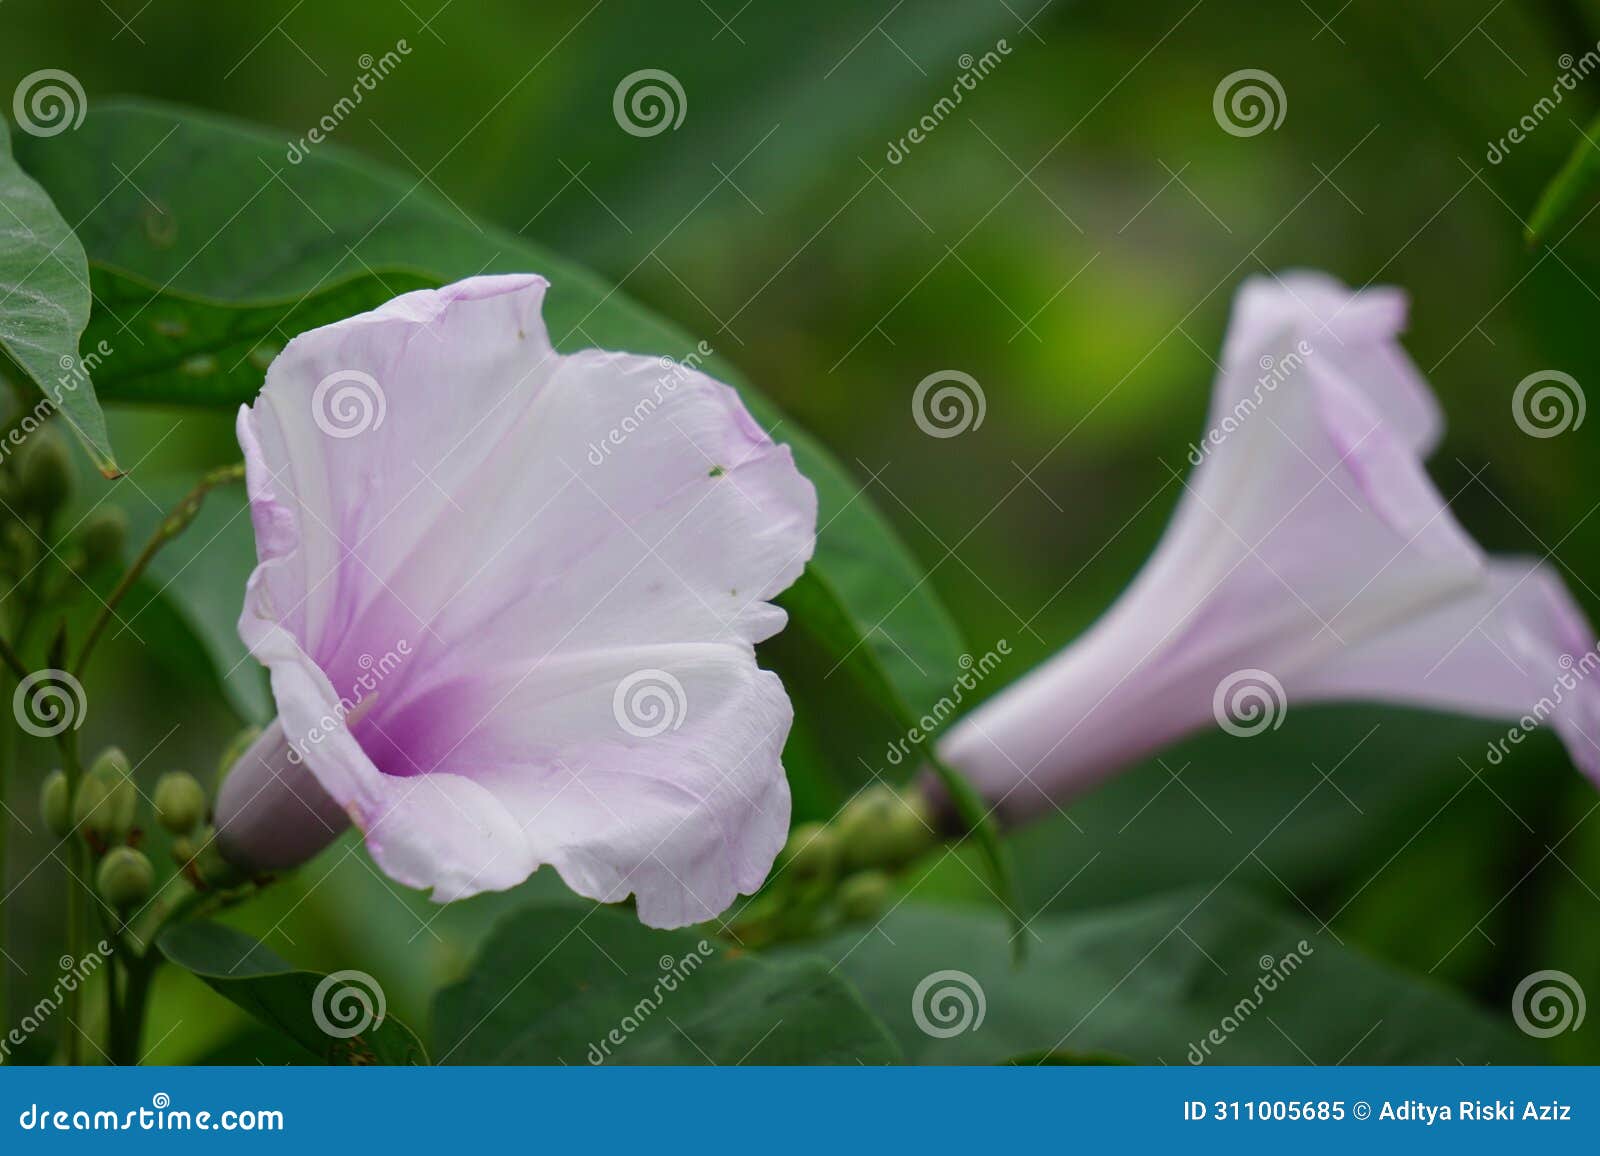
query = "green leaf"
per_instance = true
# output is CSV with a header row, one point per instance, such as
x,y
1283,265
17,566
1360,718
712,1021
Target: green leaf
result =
x,y
1151,981
566,984
818,85
44,306
248,973
223,252
1575,180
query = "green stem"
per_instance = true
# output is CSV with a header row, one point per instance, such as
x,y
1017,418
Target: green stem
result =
x,y
135,998
178,897
77,868
115,1025
170,527
9,657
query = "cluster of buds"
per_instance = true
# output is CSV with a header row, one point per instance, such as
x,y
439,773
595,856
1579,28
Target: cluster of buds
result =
x,y
841,871
36,485
104,811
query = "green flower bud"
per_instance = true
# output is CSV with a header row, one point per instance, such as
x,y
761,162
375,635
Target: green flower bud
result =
x,y
811,852
55,804
180,802
102,537
45,473
111,813
125,877
881,827
91,813
864,895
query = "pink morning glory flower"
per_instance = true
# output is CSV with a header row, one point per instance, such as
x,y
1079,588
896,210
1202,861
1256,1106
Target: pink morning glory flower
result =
x,y
1310,559
509,599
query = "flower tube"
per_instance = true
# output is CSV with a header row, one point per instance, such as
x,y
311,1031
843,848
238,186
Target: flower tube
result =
x,y
1310,559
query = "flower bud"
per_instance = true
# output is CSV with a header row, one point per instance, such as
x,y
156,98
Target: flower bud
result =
x,y
45,474
125,877
864,895
811,852
107,799
55,804
180,802
881,827
91,813
102,538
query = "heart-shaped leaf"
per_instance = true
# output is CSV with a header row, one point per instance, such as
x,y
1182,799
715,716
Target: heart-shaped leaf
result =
x,y
340,1018
567,984
1192,977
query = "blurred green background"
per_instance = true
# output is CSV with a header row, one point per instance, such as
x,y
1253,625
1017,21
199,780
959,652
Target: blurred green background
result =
x,y
1071,237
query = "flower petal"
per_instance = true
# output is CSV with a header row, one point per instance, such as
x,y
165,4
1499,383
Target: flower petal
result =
x,y
1354,333
1518,647
465,580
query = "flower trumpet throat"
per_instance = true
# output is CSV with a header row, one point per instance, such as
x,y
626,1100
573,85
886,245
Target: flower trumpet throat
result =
x,y
1310,559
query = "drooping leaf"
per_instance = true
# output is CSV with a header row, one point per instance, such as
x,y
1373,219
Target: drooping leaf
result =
x,y
1152,981
44,306
341,1018
569,984
224,251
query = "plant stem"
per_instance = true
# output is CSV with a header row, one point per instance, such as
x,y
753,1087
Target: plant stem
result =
x,y
115,1026
175,523
9,657
77,867
128,1029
